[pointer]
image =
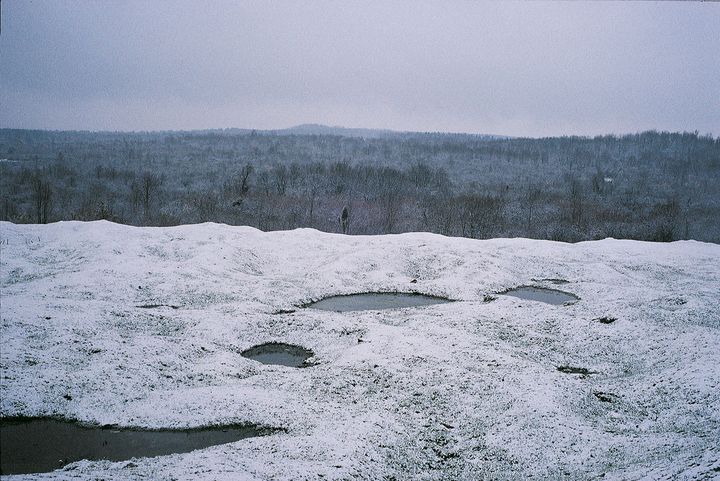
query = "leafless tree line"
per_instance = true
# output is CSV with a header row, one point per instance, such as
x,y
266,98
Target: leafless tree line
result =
x,y
652,186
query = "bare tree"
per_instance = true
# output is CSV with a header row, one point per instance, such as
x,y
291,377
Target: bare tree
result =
x,y
312,191
245,179
150,185
479,214
264,181
530,196
205,204
576,201
41,196
281,179
239,186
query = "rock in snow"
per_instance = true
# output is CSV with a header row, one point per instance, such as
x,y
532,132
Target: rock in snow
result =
x,y
463,390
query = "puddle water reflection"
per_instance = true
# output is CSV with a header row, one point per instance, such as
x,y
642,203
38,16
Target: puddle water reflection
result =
x,y
549,296
279,353
38,445
375,301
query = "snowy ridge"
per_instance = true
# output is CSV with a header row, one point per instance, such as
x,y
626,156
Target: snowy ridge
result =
x,y
464,390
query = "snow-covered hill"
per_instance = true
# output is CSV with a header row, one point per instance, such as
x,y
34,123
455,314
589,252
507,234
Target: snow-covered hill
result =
x,y
463,390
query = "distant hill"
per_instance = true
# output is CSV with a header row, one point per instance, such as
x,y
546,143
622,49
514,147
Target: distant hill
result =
x,y
318,129
303,129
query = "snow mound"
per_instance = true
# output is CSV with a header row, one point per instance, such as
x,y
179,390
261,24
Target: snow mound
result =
x,y
462,390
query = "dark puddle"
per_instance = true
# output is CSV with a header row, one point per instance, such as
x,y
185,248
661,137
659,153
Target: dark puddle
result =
x,y
373,301
36,445
575,370
605,397
552,280
283,311
279,353
155,306
606,319
541,294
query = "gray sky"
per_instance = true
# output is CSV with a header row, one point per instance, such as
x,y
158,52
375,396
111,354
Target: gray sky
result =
x,y
503,67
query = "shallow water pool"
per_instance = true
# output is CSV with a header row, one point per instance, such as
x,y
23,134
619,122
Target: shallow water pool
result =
x,y
279,353
37,445
373,301
541,294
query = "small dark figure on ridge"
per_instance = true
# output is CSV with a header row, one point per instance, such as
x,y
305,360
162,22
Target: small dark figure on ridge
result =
x,y
345,220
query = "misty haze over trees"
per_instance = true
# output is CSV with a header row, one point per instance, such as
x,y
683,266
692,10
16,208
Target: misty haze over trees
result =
x,y
655,186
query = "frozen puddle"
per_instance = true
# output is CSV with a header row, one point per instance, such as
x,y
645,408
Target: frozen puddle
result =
x,y
279,353
375,301
541,294
39,445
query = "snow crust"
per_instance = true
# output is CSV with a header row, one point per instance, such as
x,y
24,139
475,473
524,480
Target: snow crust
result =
x,y
463,390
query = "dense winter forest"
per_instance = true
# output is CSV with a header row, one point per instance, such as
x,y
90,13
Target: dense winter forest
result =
x,y
652,186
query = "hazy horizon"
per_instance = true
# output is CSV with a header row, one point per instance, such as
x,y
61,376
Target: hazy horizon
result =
x,y
512,68
341,127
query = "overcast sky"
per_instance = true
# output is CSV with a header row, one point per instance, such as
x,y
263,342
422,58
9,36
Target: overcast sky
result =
x,y
531,69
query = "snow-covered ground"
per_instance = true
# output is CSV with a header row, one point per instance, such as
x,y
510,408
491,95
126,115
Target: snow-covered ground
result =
x,y
464,390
